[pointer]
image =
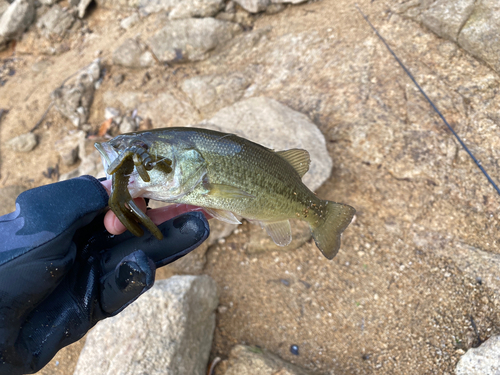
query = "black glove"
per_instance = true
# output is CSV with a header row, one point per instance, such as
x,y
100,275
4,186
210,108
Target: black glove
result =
x,y
61,271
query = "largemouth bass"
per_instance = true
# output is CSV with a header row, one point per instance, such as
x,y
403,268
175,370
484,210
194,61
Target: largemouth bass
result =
x,y
226,175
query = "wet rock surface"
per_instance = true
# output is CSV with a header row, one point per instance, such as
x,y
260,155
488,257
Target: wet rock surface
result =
x,y
167,330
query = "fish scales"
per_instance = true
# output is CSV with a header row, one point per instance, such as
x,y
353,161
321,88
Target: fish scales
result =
x,y
235,161
225,174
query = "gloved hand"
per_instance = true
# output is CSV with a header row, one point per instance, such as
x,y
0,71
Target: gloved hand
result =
x,y
61,271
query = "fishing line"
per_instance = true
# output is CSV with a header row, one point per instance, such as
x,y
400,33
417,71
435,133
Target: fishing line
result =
x,y
478,163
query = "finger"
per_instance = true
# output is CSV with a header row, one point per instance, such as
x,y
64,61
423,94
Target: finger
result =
x,y
134,275
107,185
114,225
180,235
162,214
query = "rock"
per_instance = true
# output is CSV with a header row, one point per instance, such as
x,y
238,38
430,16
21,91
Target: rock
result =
x,y
110,112
8,195
479,36
476,263
130,21
446,18
90,165
211,93
275,8
55,23
82,7
482,360
18,16
23,143
156,6
40,65
127,99
118,79
190,264
270,123
168,330
68,147
259,241
472,24
191,39
253,6
166,111
196,8
73,100
119,4
219,230
3,6
288,1
128,125
250,360
178,9
132,54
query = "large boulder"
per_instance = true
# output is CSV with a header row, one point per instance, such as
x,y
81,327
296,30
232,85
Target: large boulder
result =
x,y
168,330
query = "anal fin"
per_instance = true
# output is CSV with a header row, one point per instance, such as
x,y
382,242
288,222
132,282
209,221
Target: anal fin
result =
x,y
279,231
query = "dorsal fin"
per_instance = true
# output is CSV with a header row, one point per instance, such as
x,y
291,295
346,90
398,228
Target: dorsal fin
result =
x,y
299,159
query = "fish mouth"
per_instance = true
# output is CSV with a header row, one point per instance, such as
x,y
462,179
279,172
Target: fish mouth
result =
x,y
108,155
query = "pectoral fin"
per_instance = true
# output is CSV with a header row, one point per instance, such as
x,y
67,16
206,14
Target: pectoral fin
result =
x,y
280,232
225,216
225,191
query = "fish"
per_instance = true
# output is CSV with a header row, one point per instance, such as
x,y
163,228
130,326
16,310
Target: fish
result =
x,y
227,175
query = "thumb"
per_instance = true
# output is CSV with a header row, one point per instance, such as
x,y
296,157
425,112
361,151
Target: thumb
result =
x,y
134,275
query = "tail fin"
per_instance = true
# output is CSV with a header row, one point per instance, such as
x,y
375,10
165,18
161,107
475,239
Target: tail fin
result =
x,y
327,233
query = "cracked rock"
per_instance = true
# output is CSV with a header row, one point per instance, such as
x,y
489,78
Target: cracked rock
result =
x,y
480,35
447,17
